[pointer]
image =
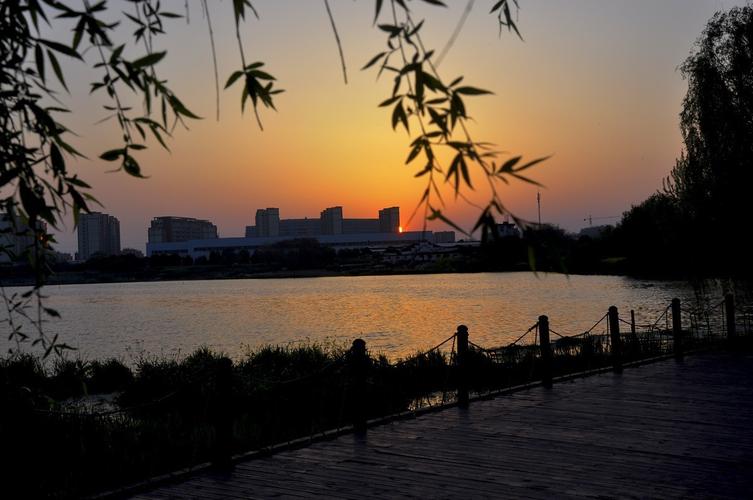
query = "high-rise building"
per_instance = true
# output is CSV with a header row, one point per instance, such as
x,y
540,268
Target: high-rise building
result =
x,y
332,220
389,220
98,233
267,222
172,229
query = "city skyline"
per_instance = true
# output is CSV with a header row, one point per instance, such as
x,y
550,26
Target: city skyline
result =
x,y
605,105
176,228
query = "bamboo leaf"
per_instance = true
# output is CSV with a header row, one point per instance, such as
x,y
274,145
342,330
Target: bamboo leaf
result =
x,y
58,71
472,91
233,78
149,59
39,60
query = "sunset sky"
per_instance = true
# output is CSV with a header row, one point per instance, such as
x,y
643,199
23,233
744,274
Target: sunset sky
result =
x,y
594,83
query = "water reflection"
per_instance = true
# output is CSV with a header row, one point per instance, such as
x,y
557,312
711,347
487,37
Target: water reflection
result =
x,y
395,314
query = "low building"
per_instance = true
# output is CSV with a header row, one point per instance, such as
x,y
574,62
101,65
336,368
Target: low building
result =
x,y
203,248
508,230
444,237
167,229
297,228
132,251
360,226
330,223
419,253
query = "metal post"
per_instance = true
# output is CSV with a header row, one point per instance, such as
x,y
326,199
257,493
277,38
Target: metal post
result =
x,y
729,306
616,341
546,351
677,327
632,321
359,363
462,365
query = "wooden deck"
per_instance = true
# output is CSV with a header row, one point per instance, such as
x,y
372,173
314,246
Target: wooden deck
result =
x,y
664,430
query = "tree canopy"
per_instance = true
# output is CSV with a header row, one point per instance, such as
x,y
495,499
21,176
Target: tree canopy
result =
x,y
711,181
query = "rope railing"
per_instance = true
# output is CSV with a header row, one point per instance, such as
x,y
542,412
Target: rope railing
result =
x,y
551,330
352,387
664,315
593,327
425,353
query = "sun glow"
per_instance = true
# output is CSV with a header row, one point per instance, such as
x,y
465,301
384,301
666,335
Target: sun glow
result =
x,y
400,229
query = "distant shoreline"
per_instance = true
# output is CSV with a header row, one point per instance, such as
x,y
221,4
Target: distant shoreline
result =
x,y
101,278
189,274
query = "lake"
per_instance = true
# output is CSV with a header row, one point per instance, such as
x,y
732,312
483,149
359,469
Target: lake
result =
x,y
396,315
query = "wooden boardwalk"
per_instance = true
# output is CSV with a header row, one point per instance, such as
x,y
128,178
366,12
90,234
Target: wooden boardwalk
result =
x,y
664,430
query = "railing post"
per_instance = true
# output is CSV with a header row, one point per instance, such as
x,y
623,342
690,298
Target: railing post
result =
x,y
677,327
546,351
222,417
359,365
616,341
729,308
632,321
462,365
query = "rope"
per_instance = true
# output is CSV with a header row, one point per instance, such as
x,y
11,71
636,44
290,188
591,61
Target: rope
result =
x,y
533,326
595,325
557,334
413,358
478,347
661,316
623,320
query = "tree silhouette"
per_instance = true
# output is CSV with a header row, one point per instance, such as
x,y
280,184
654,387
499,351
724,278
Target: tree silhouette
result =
x,y
711,181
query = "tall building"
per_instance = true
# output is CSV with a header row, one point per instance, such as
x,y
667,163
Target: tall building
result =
x,y
332,220
172,229
98,233
267,222
389,220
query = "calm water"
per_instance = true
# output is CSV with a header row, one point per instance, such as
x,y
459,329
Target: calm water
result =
x,y
395,314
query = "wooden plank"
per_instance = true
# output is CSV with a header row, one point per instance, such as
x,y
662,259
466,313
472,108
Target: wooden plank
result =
x,y
667,429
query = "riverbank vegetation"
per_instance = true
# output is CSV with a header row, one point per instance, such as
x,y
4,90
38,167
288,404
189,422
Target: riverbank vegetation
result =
x,y
114,424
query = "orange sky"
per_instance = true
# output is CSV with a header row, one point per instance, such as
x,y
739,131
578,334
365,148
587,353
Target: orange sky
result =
x,y
594,83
